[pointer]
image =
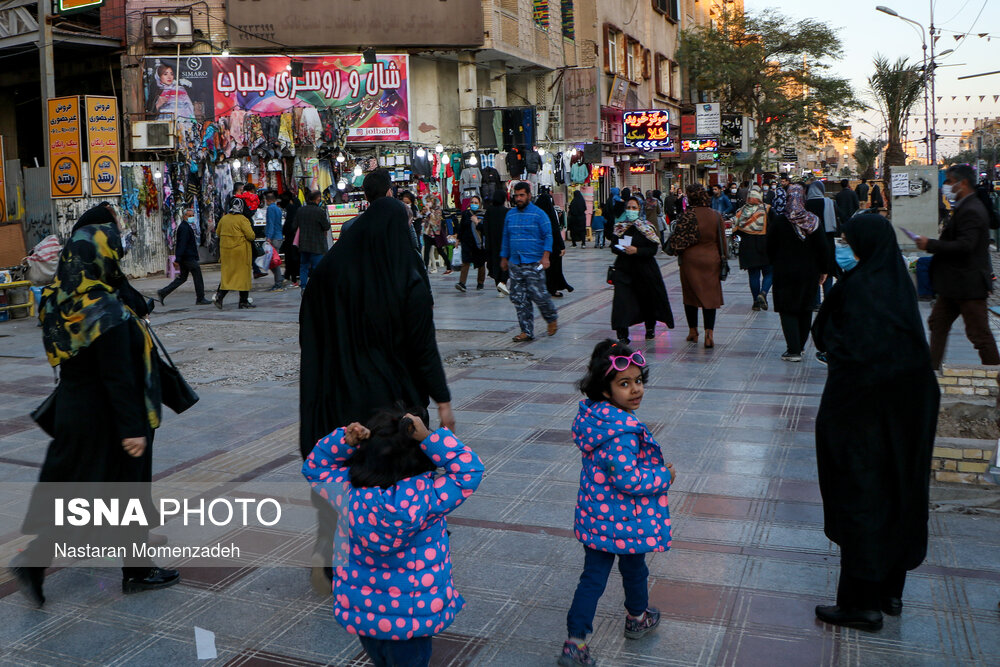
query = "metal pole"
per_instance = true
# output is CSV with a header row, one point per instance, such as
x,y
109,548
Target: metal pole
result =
x,y
927,104
932,137
47,77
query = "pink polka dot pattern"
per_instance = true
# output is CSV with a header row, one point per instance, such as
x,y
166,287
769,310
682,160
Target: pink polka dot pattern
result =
x,y
622,506
397,583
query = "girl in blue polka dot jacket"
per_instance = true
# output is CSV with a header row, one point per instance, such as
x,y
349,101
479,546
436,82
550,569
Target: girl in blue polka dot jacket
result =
x,y
622,509
392,582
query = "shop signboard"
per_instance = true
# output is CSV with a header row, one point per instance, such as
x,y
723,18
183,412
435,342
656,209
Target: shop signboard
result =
x,y
104,153
689,125
73,6
581,111
699,145
640,168
373,98
3,184
708,118
648,130
618,92
65,151
731,136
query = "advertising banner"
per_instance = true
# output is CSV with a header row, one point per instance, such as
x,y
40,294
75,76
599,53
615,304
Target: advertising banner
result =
x,y
582,115
731,137
3,184
648,130
689,127
102,140
65,156
699,145
708,118
373,98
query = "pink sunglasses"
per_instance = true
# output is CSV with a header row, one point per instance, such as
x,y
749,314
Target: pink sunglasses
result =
x,y
620,363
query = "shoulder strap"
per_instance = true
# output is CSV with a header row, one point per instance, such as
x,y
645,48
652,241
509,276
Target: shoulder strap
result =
x,y
722,235
158,343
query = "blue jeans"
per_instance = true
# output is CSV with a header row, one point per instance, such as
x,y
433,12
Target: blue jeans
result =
x,y
308,261
596,569
755,285
392,653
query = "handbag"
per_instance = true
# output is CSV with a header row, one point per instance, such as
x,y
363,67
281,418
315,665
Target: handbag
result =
x,y
175,392
256,249
611,274
45,414
724,262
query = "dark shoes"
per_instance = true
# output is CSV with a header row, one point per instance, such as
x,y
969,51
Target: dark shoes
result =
x,y
859,619
636,628
149,580
217,300
159,297
650,334
203,302
29,580
574,655
460,287
821,358
246,304
762,301
892,606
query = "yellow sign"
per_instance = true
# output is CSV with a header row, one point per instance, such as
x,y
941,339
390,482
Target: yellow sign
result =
x,y
104,151
3,185
64,147
70,6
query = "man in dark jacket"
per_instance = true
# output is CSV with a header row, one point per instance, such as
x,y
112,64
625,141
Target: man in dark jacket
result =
x,y
862,190
186,259
960,269
847,201
314,225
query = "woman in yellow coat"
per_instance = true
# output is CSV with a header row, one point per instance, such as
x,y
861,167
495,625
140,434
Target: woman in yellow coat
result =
x,y
235,236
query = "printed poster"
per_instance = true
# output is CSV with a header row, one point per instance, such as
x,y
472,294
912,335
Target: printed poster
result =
x,y
104,151
65,152
374,98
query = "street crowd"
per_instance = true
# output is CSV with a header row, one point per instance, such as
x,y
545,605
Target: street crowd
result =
x,y
385,481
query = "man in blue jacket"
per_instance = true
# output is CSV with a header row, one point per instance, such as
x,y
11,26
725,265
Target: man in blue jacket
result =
x,y
274,235
186,259
720,202
527,243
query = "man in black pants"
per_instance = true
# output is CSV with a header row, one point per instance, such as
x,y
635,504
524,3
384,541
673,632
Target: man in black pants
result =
x,y
186,259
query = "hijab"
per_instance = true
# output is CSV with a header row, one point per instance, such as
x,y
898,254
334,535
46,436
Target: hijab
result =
x,y
803,222
641,224
432,221
780,200
752,218
578,207
870,325
818,191
698,196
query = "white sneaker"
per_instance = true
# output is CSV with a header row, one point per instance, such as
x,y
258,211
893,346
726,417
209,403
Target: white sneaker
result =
x,y
503,288
433,270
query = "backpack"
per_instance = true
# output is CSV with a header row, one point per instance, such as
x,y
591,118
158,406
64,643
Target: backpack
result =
x,y
983,193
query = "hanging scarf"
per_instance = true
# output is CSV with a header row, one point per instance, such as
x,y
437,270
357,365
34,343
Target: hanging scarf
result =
x,y
752,218
780,200
804,222
432,221
641,224
83,301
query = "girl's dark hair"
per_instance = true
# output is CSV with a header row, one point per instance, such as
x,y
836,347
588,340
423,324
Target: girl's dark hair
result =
x,y
390,454
597,381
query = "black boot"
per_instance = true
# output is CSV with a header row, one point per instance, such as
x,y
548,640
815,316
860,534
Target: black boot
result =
x,y
850,618
29,580
136,580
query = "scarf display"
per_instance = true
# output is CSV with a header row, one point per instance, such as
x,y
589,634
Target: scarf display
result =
x,y
804,222
752,218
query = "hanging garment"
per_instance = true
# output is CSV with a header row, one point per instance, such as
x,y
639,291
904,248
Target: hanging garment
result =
x,y
312,127
500,163
421,165
515,163
286,134
532,162
487,136
237,120
498,127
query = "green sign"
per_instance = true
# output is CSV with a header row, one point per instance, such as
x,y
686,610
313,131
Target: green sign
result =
x,y
73,6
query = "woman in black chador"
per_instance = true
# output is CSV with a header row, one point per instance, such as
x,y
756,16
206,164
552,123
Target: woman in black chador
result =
x,y
555,281
875,427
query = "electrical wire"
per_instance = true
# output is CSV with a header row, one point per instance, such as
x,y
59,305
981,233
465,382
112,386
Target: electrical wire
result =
x,y
968,32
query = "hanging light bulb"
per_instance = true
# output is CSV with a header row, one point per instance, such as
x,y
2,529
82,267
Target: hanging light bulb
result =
x,y
157,175
572,152
357,170
421,152
439,149
341,158
541,151
236,164
341,184
472,160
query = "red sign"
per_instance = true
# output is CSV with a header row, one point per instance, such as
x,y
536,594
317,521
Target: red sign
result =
x,y
641,168
699,145
648,130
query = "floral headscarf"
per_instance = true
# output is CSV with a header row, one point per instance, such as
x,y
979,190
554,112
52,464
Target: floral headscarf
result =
x,y
804,222
432,221
752,218
780,200
641,224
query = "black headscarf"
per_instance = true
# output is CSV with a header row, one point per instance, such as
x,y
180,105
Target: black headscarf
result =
x,y
98,215
366,327
578,206
544,202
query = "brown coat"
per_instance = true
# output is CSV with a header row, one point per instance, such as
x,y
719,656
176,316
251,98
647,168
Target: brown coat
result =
x,y
700,264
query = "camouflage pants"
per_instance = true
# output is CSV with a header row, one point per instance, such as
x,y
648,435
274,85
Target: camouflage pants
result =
x,y
527,285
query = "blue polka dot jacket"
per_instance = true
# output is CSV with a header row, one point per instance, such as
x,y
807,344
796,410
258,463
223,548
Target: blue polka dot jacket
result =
x,y
392,566
622,507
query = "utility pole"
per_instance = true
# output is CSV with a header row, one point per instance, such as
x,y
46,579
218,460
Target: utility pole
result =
x,y
46,68
932,135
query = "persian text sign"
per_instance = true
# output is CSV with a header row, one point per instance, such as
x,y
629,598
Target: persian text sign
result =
x,y
648,130
582,114
64,147
102,141
641,168
731,137
708,118
699,145
374,99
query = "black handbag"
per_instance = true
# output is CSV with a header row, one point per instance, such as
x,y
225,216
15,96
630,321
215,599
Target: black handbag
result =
x,y
611,274
724,263
257,249
45,414
175,392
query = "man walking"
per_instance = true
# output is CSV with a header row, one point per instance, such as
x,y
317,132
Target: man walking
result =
x,y
186,259
720,202
846,201
527,244
960,269
273,234
314,226
862,190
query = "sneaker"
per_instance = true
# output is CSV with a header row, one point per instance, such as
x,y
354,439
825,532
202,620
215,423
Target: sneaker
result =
x,y
762,299
788,356
447,272
635,628
247,304
479,286
821,358
433,270
460,287
277,288
503,288
501,295
574,654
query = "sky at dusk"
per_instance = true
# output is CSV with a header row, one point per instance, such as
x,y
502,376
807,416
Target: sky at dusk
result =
x,y
865,32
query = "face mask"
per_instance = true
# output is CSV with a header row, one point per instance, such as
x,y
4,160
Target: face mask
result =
x,y
473,207
766,188
631,215
732,191
192,219
948,191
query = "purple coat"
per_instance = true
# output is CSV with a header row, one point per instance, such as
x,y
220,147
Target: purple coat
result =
x,y
622,507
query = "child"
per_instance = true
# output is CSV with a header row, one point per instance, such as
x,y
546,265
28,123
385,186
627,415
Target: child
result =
x,y
392,585
622,505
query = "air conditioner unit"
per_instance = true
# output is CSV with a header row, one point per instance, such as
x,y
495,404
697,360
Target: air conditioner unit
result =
x,y
153,135
171,29
486,102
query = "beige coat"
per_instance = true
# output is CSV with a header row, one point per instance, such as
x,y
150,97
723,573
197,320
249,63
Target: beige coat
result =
x,y
235,236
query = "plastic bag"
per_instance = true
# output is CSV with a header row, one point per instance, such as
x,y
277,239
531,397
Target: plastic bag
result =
x,y
456,257
263,262
275,259
43,260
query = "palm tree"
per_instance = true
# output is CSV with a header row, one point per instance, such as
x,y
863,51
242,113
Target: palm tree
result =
x,y
866,152
896,88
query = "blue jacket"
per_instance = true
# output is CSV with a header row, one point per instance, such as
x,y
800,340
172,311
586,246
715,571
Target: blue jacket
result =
x,y
273,228
527,235
392,570
622,507
722,204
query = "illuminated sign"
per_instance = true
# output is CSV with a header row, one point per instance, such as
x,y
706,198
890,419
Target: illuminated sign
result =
x,y
699,145
641,168
648,130
70,6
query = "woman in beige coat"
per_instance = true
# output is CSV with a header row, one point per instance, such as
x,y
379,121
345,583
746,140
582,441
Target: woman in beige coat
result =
x,y
235,236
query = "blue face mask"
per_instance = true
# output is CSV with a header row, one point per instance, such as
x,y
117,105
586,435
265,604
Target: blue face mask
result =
x,y
192,219
631,215
473,207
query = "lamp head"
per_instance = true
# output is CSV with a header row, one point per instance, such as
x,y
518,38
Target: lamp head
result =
x,y
886,10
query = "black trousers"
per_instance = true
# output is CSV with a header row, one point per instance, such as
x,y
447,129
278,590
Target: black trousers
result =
x,y
796,326
691,313
221,294
855,593
192,267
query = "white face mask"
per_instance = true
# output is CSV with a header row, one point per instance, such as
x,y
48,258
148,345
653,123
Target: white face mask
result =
x,y
948,191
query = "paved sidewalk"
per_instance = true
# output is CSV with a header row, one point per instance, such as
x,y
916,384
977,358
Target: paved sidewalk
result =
x,y
749,560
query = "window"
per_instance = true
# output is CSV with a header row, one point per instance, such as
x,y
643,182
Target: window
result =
x,y
541,13
568,20
669,8
674,76
631,60
612,43
662,75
